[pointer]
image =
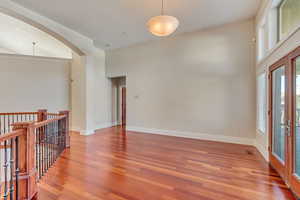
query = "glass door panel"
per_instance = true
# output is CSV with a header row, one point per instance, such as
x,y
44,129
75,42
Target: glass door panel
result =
x,y
278,106
294,140
297,118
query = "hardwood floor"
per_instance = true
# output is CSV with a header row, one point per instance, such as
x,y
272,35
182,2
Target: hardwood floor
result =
x,y
114,165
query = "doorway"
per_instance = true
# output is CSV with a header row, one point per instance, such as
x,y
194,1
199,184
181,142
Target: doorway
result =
x,y
119,106
284,118
123,106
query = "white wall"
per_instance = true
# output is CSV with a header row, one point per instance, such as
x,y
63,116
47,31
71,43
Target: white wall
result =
x,y
90,93
199,85
31,83
98,91
78,93
91,110
286,45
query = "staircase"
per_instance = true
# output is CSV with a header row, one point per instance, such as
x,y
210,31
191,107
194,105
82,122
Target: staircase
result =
x,y
30,143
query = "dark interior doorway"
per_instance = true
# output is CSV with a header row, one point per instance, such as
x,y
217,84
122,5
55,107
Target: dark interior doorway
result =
x,y
123,106
119,106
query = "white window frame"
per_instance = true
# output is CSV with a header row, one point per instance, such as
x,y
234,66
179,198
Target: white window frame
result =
x,y
262,47
261,92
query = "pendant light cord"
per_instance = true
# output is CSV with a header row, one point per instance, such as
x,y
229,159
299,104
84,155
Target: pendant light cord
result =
x,y
162,7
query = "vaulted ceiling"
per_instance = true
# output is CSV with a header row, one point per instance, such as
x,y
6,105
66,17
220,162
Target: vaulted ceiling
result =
x,y
17,37
119,23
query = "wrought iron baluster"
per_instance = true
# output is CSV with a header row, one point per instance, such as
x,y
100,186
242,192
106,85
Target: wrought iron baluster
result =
x,y
56,144
0,124
40,152
4,122
43,150
8,123
17,168
47,147
55,147
65,132
51,144
59,140
11,185
36,151
5,172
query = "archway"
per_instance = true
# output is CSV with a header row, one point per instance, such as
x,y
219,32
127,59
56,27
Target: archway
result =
x,y
43,28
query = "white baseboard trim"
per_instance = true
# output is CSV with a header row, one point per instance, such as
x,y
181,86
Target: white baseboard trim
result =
x,y
263,151
194,135
104,125
92,131
115,124
75,129
87,132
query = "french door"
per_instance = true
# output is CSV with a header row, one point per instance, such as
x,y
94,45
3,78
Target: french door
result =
x,y
284,118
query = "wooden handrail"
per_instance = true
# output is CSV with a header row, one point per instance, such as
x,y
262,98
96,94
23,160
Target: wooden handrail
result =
x,y
42,123
35,139
11,135
48,121
53,114
20,113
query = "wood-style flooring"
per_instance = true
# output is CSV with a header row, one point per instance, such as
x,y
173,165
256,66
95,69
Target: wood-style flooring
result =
x,y
118,165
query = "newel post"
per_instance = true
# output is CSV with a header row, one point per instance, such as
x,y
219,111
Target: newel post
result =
x,y
67,114
42,115
27,168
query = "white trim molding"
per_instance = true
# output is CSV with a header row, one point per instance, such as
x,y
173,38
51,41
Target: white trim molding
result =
x,y
115,123
34,57
191,135
104,125
75,129
194,135
87,132
262,150
92,131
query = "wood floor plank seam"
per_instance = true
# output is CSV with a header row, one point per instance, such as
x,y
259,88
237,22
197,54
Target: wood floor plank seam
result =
x,y
115,164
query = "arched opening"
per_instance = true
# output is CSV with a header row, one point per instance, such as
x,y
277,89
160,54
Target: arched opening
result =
x,y
42,28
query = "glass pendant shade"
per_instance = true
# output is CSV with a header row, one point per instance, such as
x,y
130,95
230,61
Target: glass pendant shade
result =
x,y
163,25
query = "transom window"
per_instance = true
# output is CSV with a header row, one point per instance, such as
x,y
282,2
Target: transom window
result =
x,y
289,16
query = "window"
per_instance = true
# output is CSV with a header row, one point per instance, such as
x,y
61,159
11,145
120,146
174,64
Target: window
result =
x,y
289,16
278,21
262,40
273,36
261,103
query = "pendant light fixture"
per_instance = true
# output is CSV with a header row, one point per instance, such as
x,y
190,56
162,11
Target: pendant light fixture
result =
x,y
162,25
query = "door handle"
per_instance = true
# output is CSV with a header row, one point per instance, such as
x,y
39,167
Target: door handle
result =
x,y
288,127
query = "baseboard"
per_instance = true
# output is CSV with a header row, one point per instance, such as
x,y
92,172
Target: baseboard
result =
x,y
92,131
104,125
194,135
87,132
75,129
115,124
262,150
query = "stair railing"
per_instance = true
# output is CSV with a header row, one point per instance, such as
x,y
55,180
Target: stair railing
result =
x,y
28,150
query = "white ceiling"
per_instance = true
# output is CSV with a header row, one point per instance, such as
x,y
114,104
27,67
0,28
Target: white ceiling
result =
x,y
119,23
16,37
